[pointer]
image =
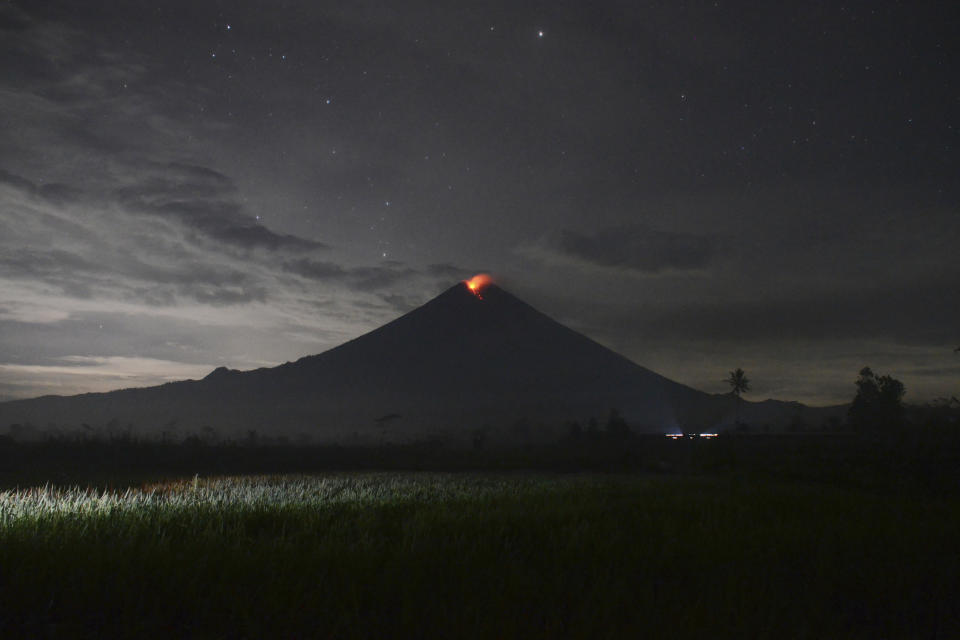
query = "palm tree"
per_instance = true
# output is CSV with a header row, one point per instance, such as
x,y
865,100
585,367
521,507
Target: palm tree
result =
x,y
739,384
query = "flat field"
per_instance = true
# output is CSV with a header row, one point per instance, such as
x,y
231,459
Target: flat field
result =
x,y
479,555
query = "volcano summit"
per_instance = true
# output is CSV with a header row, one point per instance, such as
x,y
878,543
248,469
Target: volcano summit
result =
x,y
475,356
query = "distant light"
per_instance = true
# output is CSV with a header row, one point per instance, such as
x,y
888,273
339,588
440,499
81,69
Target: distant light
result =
x,y
708,435
229,27
539,34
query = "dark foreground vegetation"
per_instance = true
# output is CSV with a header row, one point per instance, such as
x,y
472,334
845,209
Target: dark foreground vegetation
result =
x,y
921,459
759,536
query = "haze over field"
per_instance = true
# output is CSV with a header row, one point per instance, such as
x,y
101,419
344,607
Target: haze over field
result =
x,y
188,185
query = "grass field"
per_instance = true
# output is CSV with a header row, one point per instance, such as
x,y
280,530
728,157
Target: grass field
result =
x,y
352,555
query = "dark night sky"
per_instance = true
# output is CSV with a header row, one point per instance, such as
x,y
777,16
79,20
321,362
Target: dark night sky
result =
x,y
698,185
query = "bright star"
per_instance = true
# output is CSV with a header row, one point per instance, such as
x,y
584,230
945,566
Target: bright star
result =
x,y
539,34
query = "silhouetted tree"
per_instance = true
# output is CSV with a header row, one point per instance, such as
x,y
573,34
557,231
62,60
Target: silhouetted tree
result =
x,y
878,404
593,429
617,427
739,384
938,413
209,434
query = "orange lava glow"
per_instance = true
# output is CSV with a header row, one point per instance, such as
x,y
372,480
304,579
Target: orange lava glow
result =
x,y
477,283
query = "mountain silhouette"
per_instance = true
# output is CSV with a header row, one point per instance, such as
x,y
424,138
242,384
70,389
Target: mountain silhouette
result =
x,y
467,359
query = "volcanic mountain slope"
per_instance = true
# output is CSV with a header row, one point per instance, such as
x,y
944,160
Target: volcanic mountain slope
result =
x,y
464,360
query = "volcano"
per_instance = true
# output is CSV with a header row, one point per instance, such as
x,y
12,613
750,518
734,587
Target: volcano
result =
x,y
473,357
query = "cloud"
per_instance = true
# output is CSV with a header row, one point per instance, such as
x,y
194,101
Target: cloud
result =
x,y
16,181
133,267
24,311
170,233
13,19
92,245
385,276
77,374
449,272
633,249
206,203
919,312
314,269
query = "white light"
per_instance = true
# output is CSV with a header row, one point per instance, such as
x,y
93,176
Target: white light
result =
x,y
539,34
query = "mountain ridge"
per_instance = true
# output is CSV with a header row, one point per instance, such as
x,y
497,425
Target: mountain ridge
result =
x,y
464,360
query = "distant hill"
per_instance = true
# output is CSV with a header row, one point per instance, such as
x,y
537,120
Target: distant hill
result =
x,y
463,361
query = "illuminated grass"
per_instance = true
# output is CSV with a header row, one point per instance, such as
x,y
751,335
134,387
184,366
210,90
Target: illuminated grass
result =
x,y
377,555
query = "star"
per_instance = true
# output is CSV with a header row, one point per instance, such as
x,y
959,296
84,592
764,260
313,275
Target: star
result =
x,y
539,34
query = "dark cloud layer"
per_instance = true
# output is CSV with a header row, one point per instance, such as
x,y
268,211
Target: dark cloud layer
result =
x,y
638,249
921,314
206,202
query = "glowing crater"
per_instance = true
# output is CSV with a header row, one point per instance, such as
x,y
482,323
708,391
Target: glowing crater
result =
x,y
477,283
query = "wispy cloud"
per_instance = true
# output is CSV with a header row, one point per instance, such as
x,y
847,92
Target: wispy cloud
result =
x,y
77,374
108,219
633,249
